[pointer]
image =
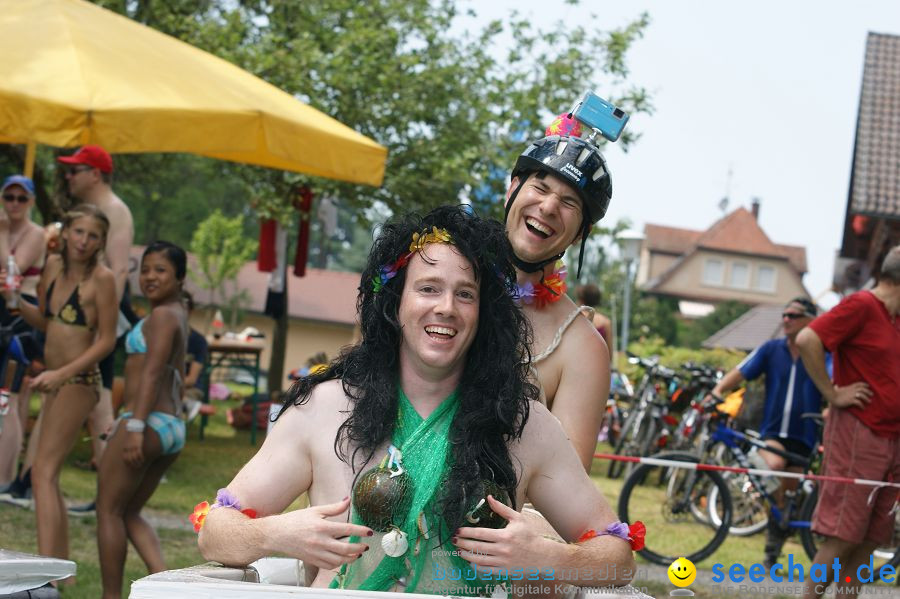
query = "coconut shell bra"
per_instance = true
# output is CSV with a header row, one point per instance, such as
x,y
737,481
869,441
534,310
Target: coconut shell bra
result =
x,y
394,497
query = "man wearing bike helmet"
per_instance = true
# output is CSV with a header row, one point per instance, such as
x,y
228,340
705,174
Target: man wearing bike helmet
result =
x,y
559,188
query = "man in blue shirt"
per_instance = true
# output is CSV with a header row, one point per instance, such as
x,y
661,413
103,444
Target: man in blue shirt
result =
x,y
789,393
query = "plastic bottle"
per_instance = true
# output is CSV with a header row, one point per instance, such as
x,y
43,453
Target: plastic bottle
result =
x,y
770,483
11,281
218,324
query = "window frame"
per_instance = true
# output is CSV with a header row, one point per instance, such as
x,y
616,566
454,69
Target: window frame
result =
x,y
706,264
757,283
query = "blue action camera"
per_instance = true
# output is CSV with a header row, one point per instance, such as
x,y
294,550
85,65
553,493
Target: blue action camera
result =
x,y
596,113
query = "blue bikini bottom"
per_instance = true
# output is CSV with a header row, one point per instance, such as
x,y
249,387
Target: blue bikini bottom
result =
x,y
170,428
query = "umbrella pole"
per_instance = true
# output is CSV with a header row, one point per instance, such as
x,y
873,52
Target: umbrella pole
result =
x,y
30,151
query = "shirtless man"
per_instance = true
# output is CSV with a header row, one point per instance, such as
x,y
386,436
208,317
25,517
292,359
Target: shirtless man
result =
x,y
436,391
559,188
89,178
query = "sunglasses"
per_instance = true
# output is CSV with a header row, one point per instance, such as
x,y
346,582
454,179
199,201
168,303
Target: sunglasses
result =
x,y
8,197
792,316
74,170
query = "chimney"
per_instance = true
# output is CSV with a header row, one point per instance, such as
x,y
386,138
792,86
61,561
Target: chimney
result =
x,y
754,208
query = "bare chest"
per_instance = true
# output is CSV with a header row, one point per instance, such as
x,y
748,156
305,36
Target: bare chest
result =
x,y
333,476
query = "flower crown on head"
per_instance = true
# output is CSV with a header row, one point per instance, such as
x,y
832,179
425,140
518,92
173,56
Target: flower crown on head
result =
x,y
419,241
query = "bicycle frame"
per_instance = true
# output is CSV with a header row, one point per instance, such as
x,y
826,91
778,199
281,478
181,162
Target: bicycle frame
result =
x,y
732,439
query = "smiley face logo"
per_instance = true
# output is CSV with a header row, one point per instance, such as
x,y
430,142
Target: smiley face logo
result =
x,y
682,572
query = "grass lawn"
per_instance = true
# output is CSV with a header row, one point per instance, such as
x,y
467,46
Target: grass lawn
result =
x,y
201,469
205,466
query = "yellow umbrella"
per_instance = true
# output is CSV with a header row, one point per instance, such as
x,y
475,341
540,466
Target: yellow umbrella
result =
x,y
73,73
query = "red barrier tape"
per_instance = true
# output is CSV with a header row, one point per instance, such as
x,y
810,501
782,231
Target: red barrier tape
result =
x,y
738,469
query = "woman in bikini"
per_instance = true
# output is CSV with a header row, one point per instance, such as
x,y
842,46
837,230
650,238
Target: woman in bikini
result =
x,y
149,434
77,309
21,238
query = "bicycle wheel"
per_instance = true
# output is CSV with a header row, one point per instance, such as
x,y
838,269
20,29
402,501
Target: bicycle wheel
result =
x,y
750,511
667,509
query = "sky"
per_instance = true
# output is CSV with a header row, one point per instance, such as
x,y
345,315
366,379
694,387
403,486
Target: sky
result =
x,y
768,90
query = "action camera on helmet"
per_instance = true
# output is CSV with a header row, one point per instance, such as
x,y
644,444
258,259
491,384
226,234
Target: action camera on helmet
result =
x,y
596,113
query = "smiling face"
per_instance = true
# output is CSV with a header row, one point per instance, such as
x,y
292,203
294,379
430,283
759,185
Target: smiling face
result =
x,y
545,217
84,237
438,312
158,280
682,572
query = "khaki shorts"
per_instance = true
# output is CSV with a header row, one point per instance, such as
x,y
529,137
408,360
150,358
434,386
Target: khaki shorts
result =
x,y
851,512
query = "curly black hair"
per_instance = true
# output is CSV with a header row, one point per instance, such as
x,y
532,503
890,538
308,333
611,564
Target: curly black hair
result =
x,y
494,391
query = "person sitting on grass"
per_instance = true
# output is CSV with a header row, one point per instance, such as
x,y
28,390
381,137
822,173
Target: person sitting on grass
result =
x,y
431,424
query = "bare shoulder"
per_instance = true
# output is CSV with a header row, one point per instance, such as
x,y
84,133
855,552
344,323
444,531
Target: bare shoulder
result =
x,y
583,344
542,429
601,321
102,275
119,211
34,234
53,265
327,405
165,315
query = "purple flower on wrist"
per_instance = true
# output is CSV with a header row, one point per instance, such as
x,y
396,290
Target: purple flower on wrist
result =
x,y
225,498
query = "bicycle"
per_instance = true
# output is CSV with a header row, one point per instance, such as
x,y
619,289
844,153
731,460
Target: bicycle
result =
x,y
621,394
671,503
755,504
646,417
692,497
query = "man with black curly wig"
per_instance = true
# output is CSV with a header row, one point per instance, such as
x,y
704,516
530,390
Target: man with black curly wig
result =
x,y
433,435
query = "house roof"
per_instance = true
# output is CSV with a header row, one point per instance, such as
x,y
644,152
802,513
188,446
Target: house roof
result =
x,y
321,295
670,240
747,332
737,232
875,182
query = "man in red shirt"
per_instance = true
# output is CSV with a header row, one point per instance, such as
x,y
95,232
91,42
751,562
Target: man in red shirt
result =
x,y
862,434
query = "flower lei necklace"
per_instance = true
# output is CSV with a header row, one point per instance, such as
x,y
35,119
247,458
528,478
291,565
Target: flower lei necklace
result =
x,y
549,289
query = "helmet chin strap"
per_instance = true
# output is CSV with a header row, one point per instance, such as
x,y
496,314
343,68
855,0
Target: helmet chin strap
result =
x,y
533,266
585,229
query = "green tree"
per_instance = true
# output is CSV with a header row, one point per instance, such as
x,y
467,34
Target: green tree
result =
x,y
452,115
654,316
221,250
453,108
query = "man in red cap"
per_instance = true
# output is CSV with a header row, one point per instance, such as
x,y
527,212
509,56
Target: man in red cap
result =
x,y
89,177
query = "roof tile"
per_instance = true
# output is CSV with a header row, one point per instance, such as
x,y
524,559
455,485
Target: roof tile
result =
x,y
875,184
747,332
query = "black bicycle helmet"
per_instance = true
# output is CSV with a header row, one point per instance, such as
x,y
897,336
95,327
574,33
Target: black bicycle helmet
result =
x,y
576,161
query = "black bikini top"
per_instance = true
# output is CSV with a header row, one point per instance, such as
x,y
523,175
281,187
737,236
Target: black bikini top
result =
x,y
71,312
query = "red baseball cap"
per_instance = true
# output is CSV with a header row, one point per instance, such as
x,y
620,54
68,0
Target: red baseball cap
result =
x,y
94,156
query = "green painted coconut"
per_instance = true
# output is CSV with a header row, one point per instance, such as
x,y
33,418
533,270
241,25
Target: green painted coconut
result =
x,y
484,515
382,501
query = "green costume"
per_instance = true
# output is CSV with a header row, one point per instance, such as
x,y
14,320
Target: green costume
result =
x,y
424,566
